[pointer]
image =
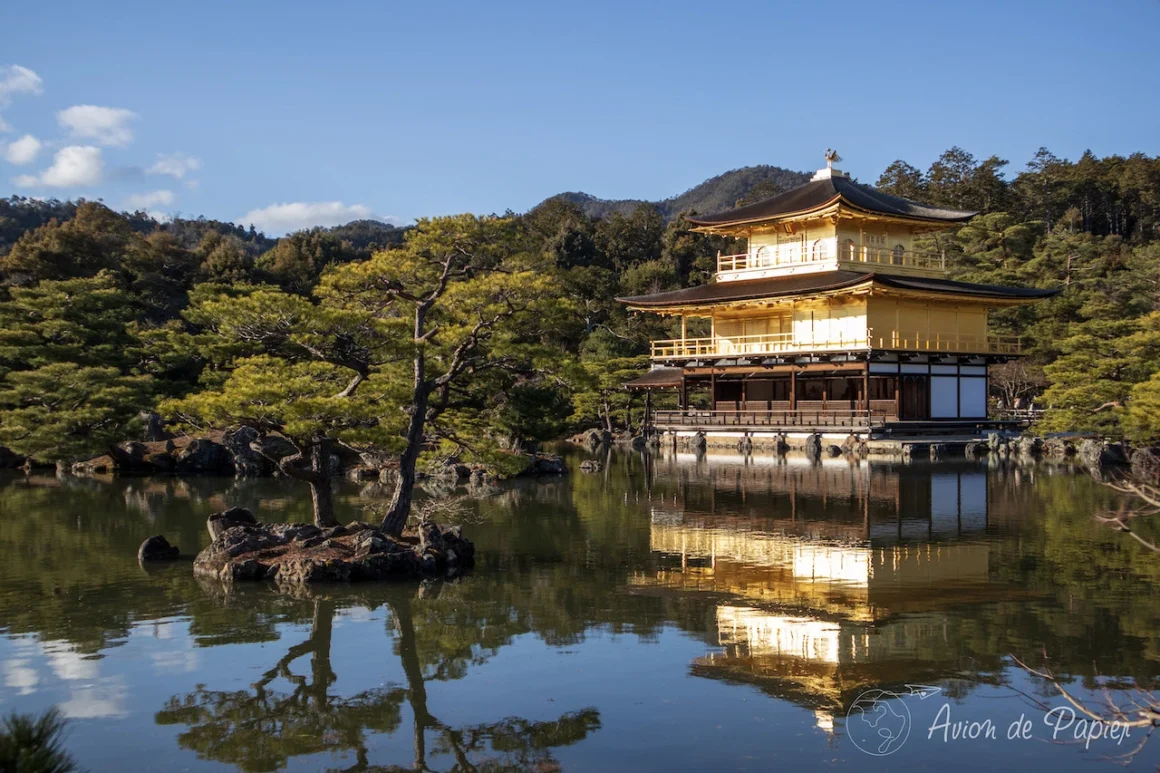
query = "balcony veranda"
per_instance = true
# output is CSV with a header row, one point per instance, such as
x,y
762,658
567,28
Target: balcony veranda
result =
x,y
825,251
778,344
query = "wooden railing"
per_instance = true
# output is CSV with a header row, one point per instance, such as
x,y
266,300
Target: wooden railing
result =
x,y
882,256
761,344
786,343
800,418
915,341
795,254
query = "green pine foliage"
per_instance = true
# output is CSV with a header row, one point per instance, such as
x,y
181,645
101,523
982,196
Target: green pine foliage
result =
x,y
31,744
106,314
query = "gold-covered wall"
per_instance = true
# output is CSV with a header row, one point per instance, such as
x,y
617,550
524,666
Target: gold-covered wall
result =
x,y
882,320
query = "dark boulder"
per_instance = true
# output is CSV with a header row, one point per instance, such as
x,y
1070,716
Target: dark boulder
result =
x,y
218,523
1058,448
430,538
203,457
975,449
1029,446
813,446
591,465
1096,454
593,438
157,548
273,447
547,464
154,427
1145,463
247,462
293,554
781,445
131,456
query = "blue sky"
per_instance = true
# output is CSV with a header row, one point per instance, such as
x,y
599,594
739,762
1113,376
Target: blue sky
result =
x,y
399,110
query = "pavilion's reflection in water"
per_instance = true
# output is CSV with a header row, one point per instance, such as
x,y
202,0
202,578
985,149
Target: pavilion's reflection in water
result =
x,y
829,578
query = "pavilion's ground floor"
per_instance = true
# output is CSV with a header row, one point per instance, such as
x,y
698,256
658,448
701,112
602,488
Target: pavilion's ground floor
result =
x,y
918,393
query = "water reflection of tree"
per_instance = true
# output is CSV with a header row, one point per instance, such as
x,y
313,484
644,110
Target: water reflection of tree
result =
x,y
261,728
509,744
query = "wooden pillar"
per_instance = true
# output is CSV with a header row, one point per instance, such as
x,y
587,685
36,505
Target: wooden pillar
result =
x,y
683,395
792,390
898,394
684,327
866,388
647,409
712,391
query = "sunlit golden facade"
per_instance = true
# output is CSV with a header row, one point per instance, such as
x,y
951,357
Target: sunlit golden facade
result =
x,y
832,317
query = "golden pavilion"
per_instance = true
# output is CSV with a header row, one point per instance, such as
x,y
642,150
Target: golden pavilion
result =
x,y
831,321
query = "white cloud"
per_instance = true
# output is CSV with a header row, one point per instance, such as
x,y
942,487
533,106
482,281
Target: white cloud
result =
x,y
72,166
105,125
23,150
297,215
15,79
19,675
149,200
102,700
176,165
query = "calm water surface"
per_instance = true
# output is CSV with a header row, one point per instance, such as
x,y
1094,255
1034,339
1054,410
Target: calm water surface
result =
x,y
667,613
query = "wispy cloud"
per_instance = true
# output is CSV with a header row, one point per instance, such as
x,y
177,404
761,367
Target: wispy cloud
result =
x,y
298,215
103,125
176,165
15,79
148,201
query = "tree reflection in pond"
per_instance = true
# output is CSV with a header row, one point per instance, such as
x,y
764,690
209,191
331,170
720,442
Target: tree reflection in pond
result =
x,y
261,728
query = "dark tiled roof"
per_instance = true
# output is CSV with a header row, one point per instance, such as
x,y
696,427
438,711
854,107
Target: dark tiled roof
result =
x,y
774,287
819,193
657,378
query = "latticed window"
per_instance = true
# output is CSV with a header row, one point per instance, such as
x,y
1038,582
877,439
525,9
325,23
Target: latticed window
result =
x,y
897,253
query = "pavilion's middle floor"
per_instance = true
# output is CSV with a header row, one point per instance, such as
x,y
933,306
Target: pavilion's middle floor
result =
x,y
829,394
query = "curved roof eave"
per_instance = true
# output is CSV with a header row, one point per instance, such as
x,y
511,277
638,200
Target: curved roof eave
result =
x,y
824,282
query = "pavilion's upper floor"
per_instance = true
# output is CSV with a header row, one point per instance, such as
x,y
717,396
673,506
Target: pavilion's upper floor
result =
x,y
830,223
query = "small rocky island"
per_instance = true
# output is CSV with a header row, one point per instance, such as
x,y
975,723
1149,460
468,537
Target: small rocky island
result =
x,y
295,553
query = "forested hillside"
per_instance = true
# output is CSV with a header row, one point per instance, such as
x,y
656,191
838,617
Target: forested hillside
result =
x,y
716,194
103,314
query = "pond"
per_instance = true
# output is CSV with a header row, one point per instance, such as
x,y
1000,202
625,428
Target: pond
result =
x,y
668,612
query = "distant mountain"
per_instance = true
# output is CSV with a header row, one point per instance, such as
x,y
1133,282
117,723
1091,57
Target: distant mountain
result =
x,y
716,194
369,235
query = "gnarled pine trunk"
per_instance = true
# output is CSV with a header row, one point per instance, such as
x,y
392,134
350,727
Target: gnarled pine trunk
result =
x,y
321,491
400,508
317,475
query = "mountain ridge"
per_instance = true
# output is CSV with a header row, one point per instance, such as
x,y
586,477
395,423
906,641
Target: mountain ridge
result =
x,y
722,192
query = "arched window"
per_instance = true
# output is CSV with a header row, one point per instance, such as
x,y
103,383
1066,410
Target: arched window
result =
x,y
896,254
817,250
761,259
851,250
